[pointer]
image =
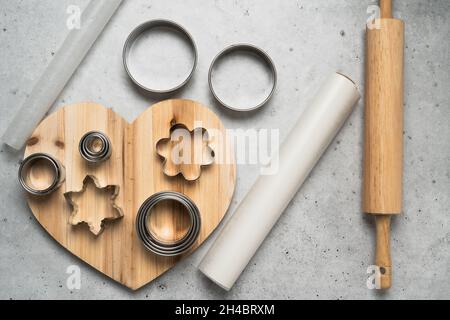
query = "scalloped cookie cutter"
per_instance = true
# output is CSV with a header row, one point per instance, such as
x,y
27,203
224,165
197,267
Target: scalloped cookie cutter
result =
x,y
175,151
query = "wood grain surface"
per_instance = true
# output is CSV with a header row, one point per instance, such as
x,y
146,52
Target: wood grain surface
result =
x,y
136,169
383,157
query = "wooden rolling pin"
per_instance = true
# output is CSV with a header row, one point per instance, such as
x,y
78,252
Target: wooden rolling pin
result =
x,y
383,156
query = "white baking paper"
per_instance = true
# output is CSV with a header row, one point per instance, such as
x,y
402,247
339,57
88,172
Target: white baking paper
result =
x,y
263,205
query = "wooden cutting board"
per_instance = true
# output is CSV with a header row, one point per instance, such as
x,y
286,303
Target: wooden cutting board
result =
x,y
137,170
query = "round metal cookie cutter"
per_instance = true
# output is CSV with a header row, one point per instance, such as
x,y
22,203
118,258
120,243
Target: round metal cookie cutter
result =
x,y
146,26
57,168
163,248
95,147
244,47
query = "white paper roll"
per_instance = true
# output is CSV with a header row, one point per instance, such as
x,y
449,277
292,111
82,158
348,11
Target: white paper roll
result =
x,y
60,70
271,194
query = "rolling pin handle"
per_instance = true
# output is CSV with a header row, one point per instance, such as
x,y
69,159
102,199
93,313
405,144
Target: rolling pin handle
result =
x,y
383,254
386,9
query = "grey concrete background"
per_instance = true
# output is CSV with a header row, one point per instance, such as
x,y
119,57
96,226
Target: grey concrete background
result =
x,y
322,246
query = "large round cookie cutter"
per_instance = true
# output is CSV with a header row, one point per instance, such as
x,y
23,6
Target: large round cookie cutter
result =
x,y
162,248
146,27
249,48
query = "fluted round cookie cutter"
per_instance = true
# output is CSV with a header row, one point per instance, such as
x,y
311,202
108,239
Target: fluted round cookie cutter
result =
x,y
58,174
152,243
146,26
243,47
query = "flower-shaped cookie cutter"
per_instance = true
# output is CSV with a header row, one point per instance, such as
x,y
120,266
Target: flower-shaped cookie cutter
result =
x,y
185,152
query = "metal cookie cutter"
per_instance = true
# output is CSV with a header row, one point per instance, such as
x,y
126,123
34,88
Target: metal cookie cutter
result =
x,y
201,157
141,29
95,147
37,182
160,247
244,47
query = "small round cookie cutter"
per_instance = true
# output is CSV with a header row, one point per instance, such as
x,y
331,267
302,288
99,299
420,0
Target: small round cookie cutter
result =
x,y
58,172
146,26
95,147
244,47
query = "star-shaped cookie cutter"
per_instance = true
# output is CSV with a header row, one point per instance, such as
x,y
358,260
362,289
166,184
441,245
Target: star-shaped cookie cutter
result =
x,y
96,224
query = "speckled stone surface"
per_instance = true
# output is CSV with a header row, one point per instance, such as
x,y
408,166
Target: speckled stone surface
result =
x,y
322,246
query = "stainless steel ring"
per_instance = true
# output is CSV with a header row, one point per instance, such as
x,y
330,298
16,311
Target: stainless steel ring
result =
x,y
92,155
245,47
150,25
161,248
58,172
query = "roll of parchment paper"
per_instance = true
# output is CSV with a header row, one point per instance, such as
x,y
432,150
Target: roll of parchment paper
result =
x,y
263,205
46,90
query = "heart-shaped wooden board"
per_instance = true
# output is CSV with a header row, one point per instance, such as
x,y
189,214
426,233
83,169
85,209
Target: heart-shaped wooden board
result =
x,y
137,170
